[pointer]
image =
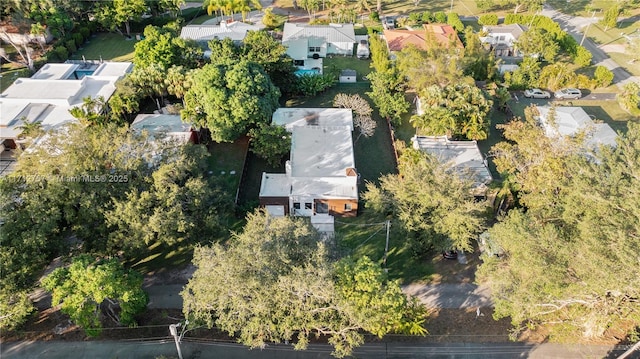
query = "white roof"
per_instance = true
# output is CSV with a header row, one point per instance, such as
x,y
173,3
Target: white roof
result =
x,y
332,33
291,117
318,151
514,29
48,96
570,121
236,31
462,156
322,163
163,126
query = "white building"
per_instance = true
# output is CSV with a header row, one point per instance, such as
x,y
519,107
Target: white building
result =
x,y
202,34
501,39
163,126
463,157
307,44
320,179
570,121
50,93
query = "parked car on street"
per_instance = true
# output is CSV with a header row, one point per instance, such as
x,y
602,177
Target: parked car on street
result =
x,y
569,93
363,50
536,93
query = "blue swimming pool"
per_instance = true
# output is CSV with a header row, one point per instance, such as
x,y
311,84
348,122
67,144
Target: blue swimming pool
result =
x,y
302,72
83,73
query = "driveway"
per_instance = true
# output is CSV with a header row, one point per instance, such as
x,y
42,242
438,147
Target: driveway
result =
x,y
450,295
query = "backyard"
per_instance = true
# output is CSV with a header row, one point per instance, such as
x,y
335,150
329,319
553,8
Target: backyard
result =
x,y
106,46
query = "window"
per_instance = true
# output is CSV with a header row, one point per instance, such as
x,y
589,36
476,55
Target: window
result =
x,y
298,62
501,38
347,207
314,49
308,205
296,205
322,207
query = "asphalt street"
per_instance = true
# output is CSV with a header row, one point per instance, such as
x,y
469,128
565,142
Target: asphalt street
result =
x,y
166,347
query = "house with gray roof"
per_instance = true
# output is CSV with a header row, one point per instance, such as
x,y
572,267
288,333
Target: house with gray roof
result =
x,y
562,121
202,34
308,44
501,39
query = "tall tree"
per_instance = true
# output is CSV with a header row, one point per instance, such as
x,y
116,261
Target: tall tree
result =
x,y
455,110
116,13
180,205
163,47
274,282
87,288
433,204
538,42
568,261
230,99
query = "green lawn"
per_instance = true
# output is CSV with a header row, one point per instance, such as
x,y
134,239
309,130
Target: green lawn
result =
x,y
8,77
108,46
624,61
338,63
581,7
365,235
227,161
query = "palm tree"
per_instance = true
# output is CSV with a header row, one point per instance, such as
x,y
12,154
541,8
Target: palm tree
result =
x,y
29,130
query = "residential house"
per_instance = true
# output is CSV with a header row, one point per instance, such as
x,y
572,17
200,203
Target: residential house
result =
x,y
320,179
165,126
48,95
462,157
202,34
441,34
307,44
570,121
502,38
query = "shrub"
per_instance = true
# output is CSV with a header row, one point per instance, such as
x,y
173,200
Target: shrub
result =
x,y
85,32
78,39
629,98
374,16
61,53
440,17
454,20
427,17
582,56
311,85
71,46
488,19
415,18
270,142
603,76
584,82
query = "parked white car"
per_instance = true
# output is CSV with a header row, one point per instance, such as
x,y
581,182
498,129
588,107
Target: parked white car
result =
x,y
536,93
363,50
388,23
569,93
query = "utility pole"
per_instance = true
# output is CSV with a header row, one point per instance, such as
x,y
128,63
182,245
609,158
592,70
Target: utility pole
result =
x,y
451,8
173,329
584,35
386,246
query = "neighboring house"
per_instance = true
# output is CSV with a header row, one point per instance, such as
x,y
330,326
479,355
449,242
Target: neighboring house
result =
x,y
463,157
51,92
570,121
320,179
202,34
501,39
307,44
162,126
441,34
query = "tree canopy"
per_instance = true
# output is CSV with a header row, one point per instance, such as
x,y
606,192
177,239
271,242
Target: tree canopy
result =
x,y
274,281
434,205
456,110
568,261
230,99
88,288
163,47
538,42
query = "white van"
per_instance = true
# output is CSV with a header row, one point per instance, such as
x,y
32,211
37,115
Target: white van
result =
x,y
363,50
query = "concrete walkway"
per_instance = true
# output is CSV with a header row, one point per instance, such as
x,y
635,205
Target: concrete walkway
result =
x,y
450,295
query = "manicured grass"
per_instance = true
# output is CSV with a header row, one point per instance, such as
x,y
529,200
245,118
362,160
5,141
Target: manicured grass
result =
x,y
252,179
580,7
338,63
8,77
624,61
108,46
226,163
159,257
202,19
365,235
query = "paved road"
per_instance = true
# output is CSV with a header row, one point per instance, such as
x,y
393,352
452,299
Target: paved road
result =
x,y
574,26
166,347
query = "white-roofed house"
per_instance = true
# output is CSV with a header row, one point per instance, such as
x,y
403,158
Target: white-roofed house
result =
x,y
48,95
202,34
320,179
463,157
502,38
308,44
571,121
162,126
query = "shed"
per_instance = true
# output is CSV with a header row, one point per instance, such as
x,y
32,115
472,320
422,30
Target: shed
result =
x,y
348,76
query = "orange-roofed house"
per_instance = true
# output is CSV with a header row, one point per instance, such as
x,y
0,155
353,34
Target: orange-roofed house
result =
x,y
422,39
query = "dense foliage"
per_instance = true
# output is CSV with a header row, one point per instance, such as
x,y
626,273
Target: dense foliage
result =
x,y
275,282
